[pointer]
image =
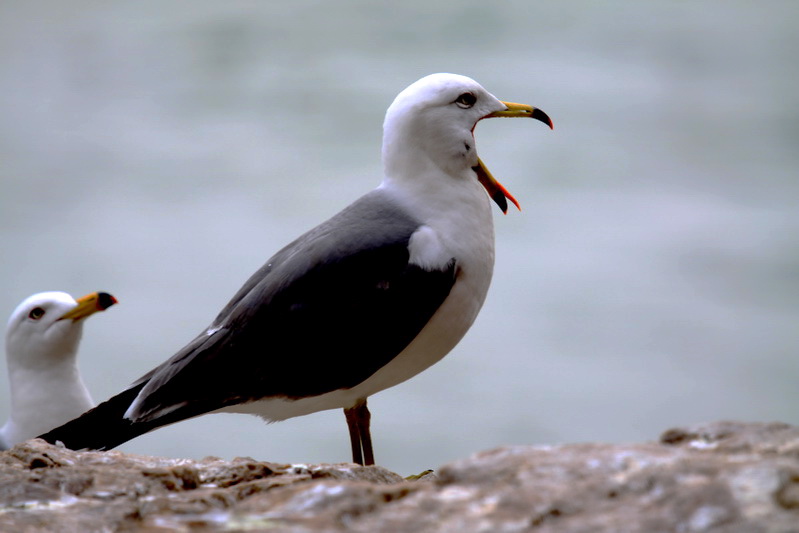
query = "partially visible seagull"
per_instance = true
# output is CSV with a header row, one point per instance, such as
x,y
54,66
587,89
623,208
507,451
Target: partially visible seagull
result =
x,y
364,301
42,340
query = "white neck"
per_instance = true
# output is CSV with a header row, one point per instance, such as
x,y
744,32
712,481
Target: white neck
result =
x,y
44,397
413,149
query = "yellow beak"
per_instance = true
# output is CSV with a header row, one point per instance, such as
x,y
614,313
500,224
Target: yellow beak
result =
x,y
495,190
88,305
522,111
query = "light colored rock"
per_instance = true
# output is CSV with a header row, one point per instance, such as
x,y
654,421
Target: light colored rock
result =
x,y
720,477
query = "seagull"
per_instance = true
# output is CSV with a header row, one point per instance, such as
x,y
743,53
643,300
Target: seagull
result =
x,y
358,304
42,340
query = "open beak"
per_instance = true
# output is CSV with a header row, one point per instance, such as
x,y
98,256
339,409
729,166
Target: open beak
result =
x,y
496,191
522,110
88,305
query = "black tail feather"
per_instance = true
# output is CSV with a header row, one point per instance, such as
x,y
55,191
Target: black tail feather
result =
x,y
105,427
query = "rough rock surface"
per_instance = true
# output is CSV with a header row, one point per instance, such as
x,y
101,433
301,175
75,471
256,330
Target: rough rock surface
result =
x,y
720,477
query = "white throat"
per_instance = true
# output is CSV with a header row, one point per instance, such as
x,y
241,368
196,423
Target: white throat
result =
x,y
46,391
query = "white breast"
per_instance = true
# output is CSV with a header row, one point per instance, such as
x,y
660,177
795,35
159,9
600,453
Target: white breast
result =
x,y
457,224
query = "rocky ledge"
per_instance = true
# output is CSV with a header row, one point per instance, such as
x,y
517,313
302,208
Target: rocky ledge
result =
x,y
720,477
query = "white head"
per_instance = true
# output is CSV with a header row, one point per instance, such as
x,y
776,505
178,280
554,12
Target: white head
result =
x,y
41,343
429,129
434,118
47,327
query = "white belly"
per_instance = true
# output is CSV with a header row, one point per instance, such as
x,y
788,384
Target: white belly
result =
x,y
444,330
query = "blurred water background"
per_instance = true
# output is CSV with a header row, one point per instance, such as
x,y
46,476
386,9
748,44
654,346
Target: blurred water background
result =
x,y
162,151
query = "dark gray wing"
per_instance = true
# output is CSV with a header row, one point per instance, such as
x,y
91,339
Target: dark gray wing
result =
x,y
325,313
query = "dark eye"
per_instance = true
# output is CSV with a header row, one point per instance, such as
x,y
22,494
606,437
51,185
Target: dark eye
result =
x,y
36,313
466,100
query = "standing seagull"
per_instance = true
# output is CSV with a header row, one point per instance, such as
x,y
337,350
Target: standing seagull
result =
x,y
41,347
364,301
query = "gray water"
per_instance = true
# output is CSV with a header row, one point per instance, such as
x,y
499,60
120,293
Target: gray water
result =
x,y
162,151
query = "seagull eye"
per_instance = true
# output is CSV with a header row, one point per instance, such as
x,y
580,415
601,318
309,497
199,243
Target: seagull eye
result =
x,y
36,313
466,100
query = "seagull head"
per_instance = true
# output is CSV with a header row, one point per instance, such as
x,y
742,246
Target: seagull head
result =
x,y
48,326
430,127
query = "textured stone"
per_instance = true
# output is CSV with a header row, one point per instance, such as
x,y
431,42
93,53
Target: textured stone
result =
x,y
720,477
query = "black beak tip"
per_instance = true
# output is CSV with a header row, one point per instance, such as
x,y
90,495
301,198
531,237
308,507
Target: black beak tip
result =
x,y
501,201
105,300
543,117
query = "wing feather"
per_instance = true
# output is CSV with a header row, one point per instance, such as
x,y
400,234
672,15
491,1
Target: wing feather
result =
x,y
324,313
